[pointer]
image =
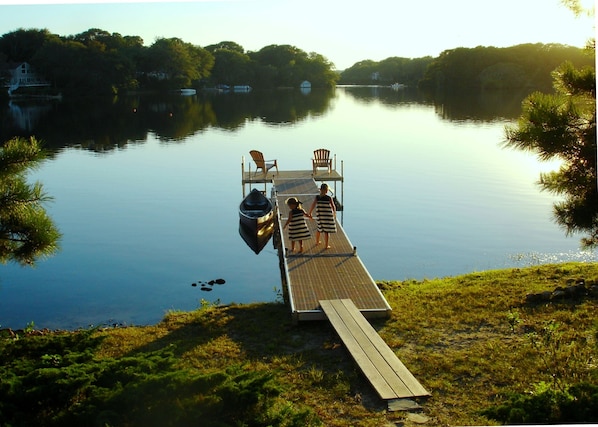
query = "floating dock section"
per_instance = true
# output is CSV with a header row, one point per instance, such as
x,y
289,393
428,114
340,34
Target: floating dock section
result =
x,y
318,273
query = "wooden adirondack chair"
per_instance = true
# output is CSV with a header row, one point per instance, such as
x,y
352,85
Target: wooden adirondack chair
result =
x,y
260,163
321,160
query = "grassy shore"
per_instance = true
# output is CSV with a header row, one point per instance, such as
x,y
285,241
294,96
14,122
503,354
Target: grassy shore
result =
x,y
471,340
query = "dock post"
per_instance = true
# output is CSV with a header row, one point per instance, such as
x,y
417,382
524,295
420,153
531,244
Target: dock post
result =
x,y
343,182
243,174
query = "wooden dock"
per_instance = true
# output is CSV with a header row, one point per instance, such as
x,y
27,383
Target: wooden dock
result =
x,y
318,273
334,284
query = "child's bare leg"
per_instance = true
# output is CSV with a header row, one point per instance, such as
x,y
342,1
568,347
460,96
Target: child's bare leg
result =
x,y
300,245
317,237
326,236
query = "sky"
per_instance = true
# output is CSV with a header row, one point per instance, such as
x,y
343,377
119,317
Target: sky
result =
x,y
345,32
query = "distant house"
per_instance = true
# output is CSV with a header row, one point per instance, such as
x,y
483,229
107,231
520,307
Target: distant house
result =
x,y
305,87
21,74
156,75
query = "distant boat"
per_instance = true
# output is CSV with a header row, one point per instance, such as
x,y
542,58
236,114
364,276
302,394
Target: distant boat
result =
x,y
242,88
255,211
397,86
188,92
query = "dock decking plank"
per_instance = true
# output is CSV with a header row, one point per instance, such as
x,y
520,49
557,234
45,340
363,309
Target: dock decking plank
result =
x,y
384,370
360,356
407,378
251,177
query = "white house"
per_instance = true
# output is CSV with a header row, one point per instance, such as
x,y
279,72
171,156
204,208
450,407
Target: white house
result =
x,y
21,74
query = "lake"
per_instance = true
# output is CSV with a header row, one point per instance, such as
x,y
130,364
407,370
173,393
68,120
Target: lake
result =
x,y
146,192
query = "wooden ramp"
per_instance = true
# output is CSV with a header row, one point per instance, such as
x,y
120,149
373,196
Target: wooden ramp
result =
x,y
387,374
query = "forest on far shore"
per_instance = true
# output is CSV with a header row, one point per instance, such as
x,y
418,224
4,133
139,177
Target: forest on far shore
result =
x,y
97,62
520,66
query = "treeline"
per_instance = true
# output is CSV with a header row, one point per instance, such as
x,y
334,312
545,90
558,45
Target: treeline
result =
x,y
521,66
386,72
99,62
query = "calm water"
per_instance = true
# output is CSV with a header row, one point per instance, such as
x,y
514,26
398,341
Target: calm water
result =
x,y
146,194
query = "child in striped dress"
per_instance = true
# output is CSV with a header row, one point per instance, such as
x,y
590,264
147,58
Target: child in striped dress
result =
x,y
325,213
298,230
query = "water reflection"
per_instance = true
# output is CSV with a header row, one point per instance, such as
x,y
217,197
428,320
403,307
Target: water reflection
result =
x,y
485,106
256,239
101,124
385,95
25,116
104,124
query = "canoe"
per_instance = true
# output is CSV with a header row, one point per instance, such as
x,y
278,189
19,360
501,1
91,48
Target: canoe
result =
x,y
255,211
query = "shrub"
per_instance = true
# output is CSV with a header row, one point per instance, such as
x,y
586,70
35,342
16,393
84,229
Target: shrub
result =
x,y
579,403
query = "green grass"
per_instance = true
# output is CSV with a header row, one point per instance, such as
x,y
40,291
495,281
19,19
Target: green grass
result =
x,y
472,341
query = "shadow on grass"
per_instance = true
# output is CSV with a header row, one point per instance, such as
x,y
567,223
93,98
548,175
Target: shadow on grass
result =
x,y
266,338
